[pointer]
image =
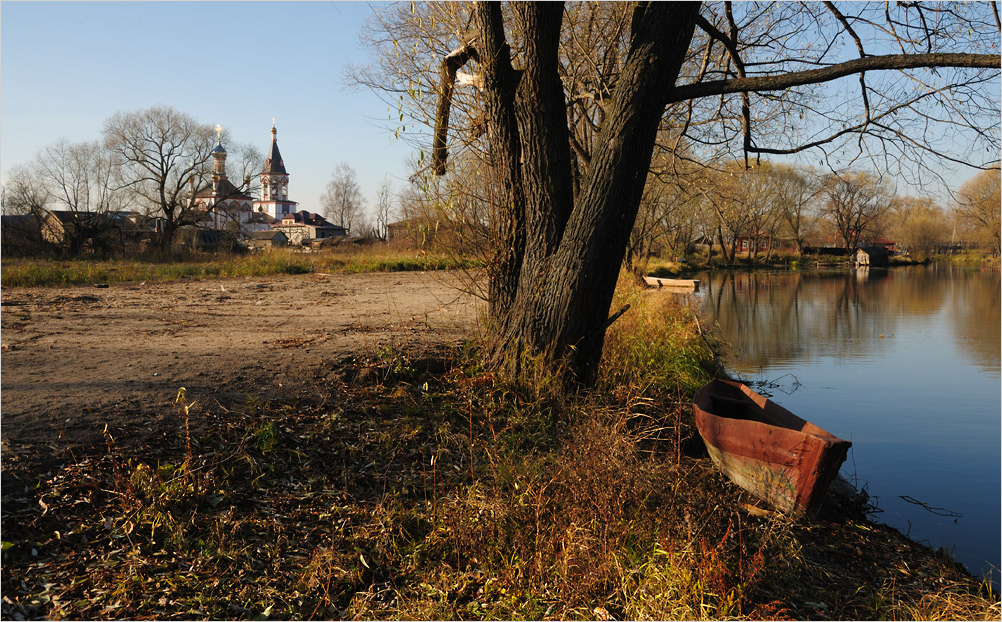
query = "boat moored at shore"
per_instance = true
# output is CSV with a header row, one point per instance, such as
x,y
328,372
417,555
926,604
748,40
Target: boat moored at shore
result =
x,y
767,450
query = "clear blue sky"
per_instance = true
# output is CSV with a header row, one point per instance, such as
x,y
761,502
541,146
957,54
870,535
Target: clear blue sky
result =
x,y
66,67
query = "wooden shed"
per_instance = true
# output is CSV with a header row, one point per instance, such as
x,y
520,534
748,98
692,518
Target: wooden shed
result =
x,y
873,256
266,239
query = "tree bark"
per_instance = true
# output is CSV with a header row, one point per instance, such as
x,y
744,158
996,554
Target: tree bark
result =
x,y
505,152
562,223
565,290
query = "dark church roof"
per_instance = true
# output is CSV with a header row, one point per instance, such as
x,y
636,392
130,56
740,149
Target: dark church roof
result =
x,y
226,191
274,163
307,218
266,235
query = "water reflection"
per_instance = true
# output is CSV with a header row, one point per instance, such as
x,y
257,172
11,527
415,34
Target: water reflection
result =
x,y
976,326
771,318
903,362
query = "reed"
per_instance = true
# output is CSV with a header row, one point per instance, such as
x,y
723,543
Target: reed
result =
x,y
657,345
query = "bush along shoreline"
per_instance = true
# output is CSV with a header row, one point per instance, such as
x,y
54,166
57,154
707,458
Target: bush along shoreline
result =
x,y
428,488
698,263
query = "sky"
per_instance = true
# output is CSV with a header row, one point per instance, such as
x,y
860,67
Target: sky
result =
x,y
67,67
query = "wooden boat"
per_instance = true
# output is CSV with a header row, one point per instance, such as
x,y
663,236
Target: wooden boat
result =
x,y
765,449
675,284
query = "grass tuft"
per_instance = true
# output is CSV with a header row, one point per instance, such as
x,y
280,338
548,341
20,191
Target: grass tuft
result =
x,y
656,347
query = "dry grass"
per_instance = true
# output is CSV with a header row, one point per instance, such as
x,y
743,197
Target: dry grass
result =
x,y
347,259
950,605
431,490
656,347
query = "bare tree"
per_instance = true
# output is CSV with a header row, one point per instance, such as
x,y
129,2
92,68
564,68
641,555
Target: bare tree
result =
x,y
978,206
342,200
919,225
23,204
67,190
795,191
766,85
724,193
164,154
80,179
384,209
670,211
742,81
244,163
760,206
24,193
855,203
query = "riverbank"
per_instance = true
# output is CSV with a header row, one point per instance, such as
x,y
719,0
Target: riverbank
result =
x,y
391,476
694,264
878,357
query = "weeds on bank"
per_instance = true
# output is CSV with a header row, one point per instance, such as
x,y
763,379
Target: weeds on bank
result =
x,y
657,345
40,273
429,489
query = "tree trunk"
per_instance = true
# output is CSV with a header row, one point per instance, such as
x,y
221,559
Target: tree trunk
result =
x,y
573,249
167,237
505,153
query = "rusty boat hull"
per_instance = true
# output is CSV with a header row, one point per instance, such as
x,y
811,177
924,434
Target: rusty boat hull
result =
x,y
767,450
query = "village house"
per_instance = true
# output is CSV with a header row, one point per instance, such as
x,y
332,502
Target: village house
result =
x,y
77,231
410,229
764,242
873,256
259,221
426,231
888,245
266,239
306,227
60,226
95,231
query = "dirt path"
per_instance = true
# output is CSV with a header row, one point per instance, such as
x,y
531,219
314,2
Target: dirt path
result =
x,y
78,358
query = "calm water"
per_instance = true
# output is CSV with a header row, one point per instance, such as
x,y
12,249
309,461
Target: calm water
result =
x,y
902,362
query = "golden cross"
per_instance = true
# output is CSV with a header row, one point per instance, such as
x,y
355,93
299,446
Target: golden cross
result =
x,y
219,133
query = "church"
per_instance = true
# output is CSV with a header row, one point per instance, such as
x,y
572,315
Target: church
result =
x,y
275,183
223,205
226,207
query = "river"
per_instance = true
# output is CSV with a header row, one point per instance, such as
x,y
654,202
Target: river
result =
x,y
903,362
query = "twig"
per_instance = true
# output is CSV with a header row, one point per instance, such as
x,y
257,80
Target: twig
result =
x,y
617,315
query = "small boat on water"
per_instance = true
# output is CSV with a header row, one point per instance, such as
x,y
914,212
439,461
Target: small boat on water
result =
x,y
677,284
765,449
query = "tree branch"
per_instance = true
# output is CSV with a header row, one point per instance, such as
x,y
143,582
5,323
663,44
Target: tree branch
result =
x,y
450,65
859,47
834,72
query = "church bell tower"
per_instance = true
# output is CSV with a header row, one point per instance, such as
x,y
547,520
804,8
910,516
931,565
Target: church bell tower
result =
x,y
275,183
